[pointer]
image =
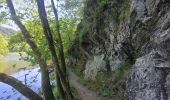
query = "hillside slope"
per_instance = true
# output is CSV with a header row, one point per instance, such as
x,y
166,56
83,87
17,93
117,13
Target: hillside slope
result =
x,y
116,32
7,31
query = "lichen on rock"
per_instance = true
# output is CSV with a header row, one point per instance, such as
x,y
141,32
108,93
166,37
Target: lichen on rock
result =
x,y
147,79
94,66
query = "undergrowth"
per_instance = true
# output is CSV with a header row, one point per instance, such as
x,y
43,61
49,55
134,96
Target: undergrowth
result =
x,y
108,85
74,92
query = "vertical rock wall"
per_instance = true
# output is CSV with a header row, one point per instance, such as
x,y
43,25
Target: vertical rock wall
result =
x,y
135,31
149,26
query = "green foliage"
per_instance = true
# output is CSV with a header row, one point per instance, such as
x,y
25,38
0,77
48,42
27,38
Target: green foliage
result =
x,y
98,9
125,11
120,10
36,30
109,85
3,12
1,1
74,9
79,72
84,29
56,94
3,45
102,4
18,44
74,92
67,30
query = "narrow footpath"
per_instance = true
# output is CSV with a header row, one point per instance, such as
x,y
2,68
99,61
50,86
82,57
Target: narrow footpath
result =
x,y
83,92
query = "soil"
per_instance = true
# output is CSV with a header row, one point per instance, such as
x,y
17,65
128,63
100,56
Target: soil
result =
x,y
83,92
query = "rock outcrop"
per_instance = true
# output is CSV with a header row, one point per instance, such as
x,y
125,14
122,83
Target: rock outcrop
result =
x,y
93,66
134,31
100,34
148,77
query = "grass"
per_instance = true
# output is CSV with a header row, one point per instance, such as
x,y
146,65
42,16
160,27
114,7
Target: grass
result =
x,y
108,85
74,92
79,73
125,11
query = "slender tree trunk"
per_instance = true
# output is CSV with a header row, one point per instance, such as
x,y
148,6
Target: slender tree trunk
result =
x,y
19,86
60,46
46,87
60,88
47,32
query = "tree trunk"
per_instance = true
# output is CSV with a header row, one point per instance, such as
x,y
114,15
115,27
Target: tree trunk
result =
x,y
60,46
47,32
46,87
19,86
60,88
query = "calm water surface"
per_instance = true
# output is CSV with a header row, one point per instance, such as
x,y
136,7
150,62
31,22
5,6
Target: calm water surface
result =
x,y
10,65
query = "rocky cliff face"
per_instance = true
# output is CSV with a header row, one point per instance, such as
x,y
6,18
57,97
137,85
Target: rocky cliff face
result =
x,y
114,32
150,25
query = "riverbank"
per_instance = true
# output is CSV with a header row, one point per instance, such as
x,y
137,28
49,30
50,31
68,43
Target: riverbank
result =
x,y
12,62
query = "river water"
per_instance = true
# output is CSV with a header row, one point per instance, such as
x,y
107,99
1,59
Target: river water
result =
x,y
29,76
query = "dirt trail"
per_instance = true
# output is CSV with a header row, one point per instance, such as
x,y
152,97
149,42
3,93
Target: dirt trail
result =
x,y
83,92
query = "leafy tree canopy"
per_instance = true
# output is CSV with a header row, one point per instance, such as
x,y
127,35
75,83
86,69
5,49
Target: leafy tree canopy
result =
x,y
3,45
18,44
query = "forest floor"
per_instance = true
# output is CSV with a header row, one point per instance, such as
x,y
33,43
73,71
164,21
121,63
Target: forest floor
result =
x,y
83,92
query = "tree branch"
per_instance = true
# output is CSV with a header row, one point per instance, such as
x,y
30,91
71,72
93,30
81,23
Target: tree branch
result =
x,y
19,86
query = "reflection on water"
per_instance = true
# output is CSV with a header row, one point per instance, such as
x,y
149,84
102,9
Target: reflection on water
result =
x,y
11,63
33,80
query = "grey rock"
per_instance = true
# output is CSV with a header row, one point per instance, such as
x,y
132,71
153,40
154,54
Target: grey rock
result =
x,y
93,66
143,38
146,81
149,77
166,24
115,64
167,85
